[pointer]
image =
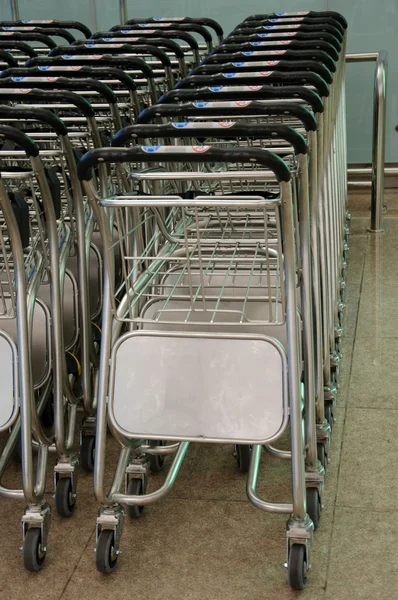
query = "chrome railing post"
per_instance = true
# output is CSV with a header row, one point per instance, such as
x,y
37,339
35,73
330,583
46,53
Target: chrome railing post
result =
x,y
379,135
123,11
14,10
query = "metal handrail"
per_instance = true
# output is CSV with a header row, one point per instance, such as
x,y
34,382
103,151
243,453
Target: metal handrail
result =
x,y
379,134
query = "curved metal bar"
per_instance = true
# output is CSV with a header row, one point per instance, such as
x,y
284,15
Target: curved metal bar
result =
x,y
251,486
379,134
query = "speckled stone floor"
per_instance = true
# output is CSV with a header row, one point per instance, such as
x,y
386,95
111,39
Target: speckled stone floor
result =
x,y
206,541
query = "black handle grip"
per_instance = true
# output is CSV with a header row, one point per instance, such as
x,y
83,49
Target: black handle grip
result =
x,y
53,31
61,83
259,78
297,35
243,93
28,37
19,138
37,95
300,27
107,58
255,131
293,20
275,65
160,42
253,56
20,46
114,49
176,154
169,34
37,22
77,72
38,114
211,23
176,26
309,14
232,109
8,58
293,44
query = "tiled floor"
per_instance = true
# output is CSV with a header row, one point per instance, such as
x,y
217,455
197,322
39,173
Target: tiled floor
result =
x,y
206,542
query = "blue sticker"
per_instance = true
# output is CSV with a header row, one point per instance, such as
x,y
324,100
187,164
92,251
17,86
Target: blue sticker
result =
x,y
126,31
200,104
17,78
255,43
280,14
240,64
150,149
90,45
262,35
108,39
268,26
68,56
248,53
26,21
44,68
158,18
229,75
273,20
216,88
180,125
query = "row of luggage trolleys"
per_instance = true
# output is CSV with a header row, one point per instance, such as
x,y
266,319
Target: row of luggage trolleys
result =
x,y
174,237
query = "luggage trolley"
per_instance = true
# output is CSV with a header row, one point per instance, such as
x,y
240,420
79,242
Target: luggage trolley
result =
x,y
204,340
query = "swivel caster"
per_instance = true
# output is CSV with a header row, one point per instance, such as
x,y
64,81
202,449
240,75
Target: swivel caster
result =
x,y
135,487
105,552
297,567
243,453
87,453
34,553
313,506
65,498
156,461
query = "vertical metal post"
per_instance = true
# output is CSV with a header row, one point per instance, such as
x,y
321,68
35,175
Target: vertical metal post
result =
x,y
379,134
123,11
378,143
14,10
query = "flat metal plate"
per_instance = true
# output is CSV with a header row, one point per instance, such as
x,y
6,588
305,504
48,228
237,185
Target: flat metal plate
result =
x,y
7,372
198,387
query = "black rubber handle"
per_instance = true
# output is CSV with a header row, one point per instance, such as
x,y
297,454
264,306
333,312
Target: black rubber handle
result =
x,y
108,59
253,79
176,26
19,138
200,21
257,56
275,65
292,20
309,14
8,58
53,23
61,83
38,114
28,37
153,33
114,48
292,44
255,131
78,72
170,45
53,31
37,95
297,35
20,46
243,93
232,109
280,27
166,154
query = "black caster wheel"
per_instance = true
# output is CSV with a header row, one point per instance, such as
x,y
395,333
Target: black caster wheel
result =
x,y
297,567
87,452
33,555
329,415
105,552
135,487
321,452
156,461
243,453
65,499
314,506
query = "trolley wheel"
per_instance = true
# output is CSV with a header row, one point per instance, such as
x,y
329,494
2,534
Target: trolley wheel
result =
x,y
105,553
313,506
297,567
33,555
87,452
243,453
65,499
156,461
329,415
135,487
322,455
